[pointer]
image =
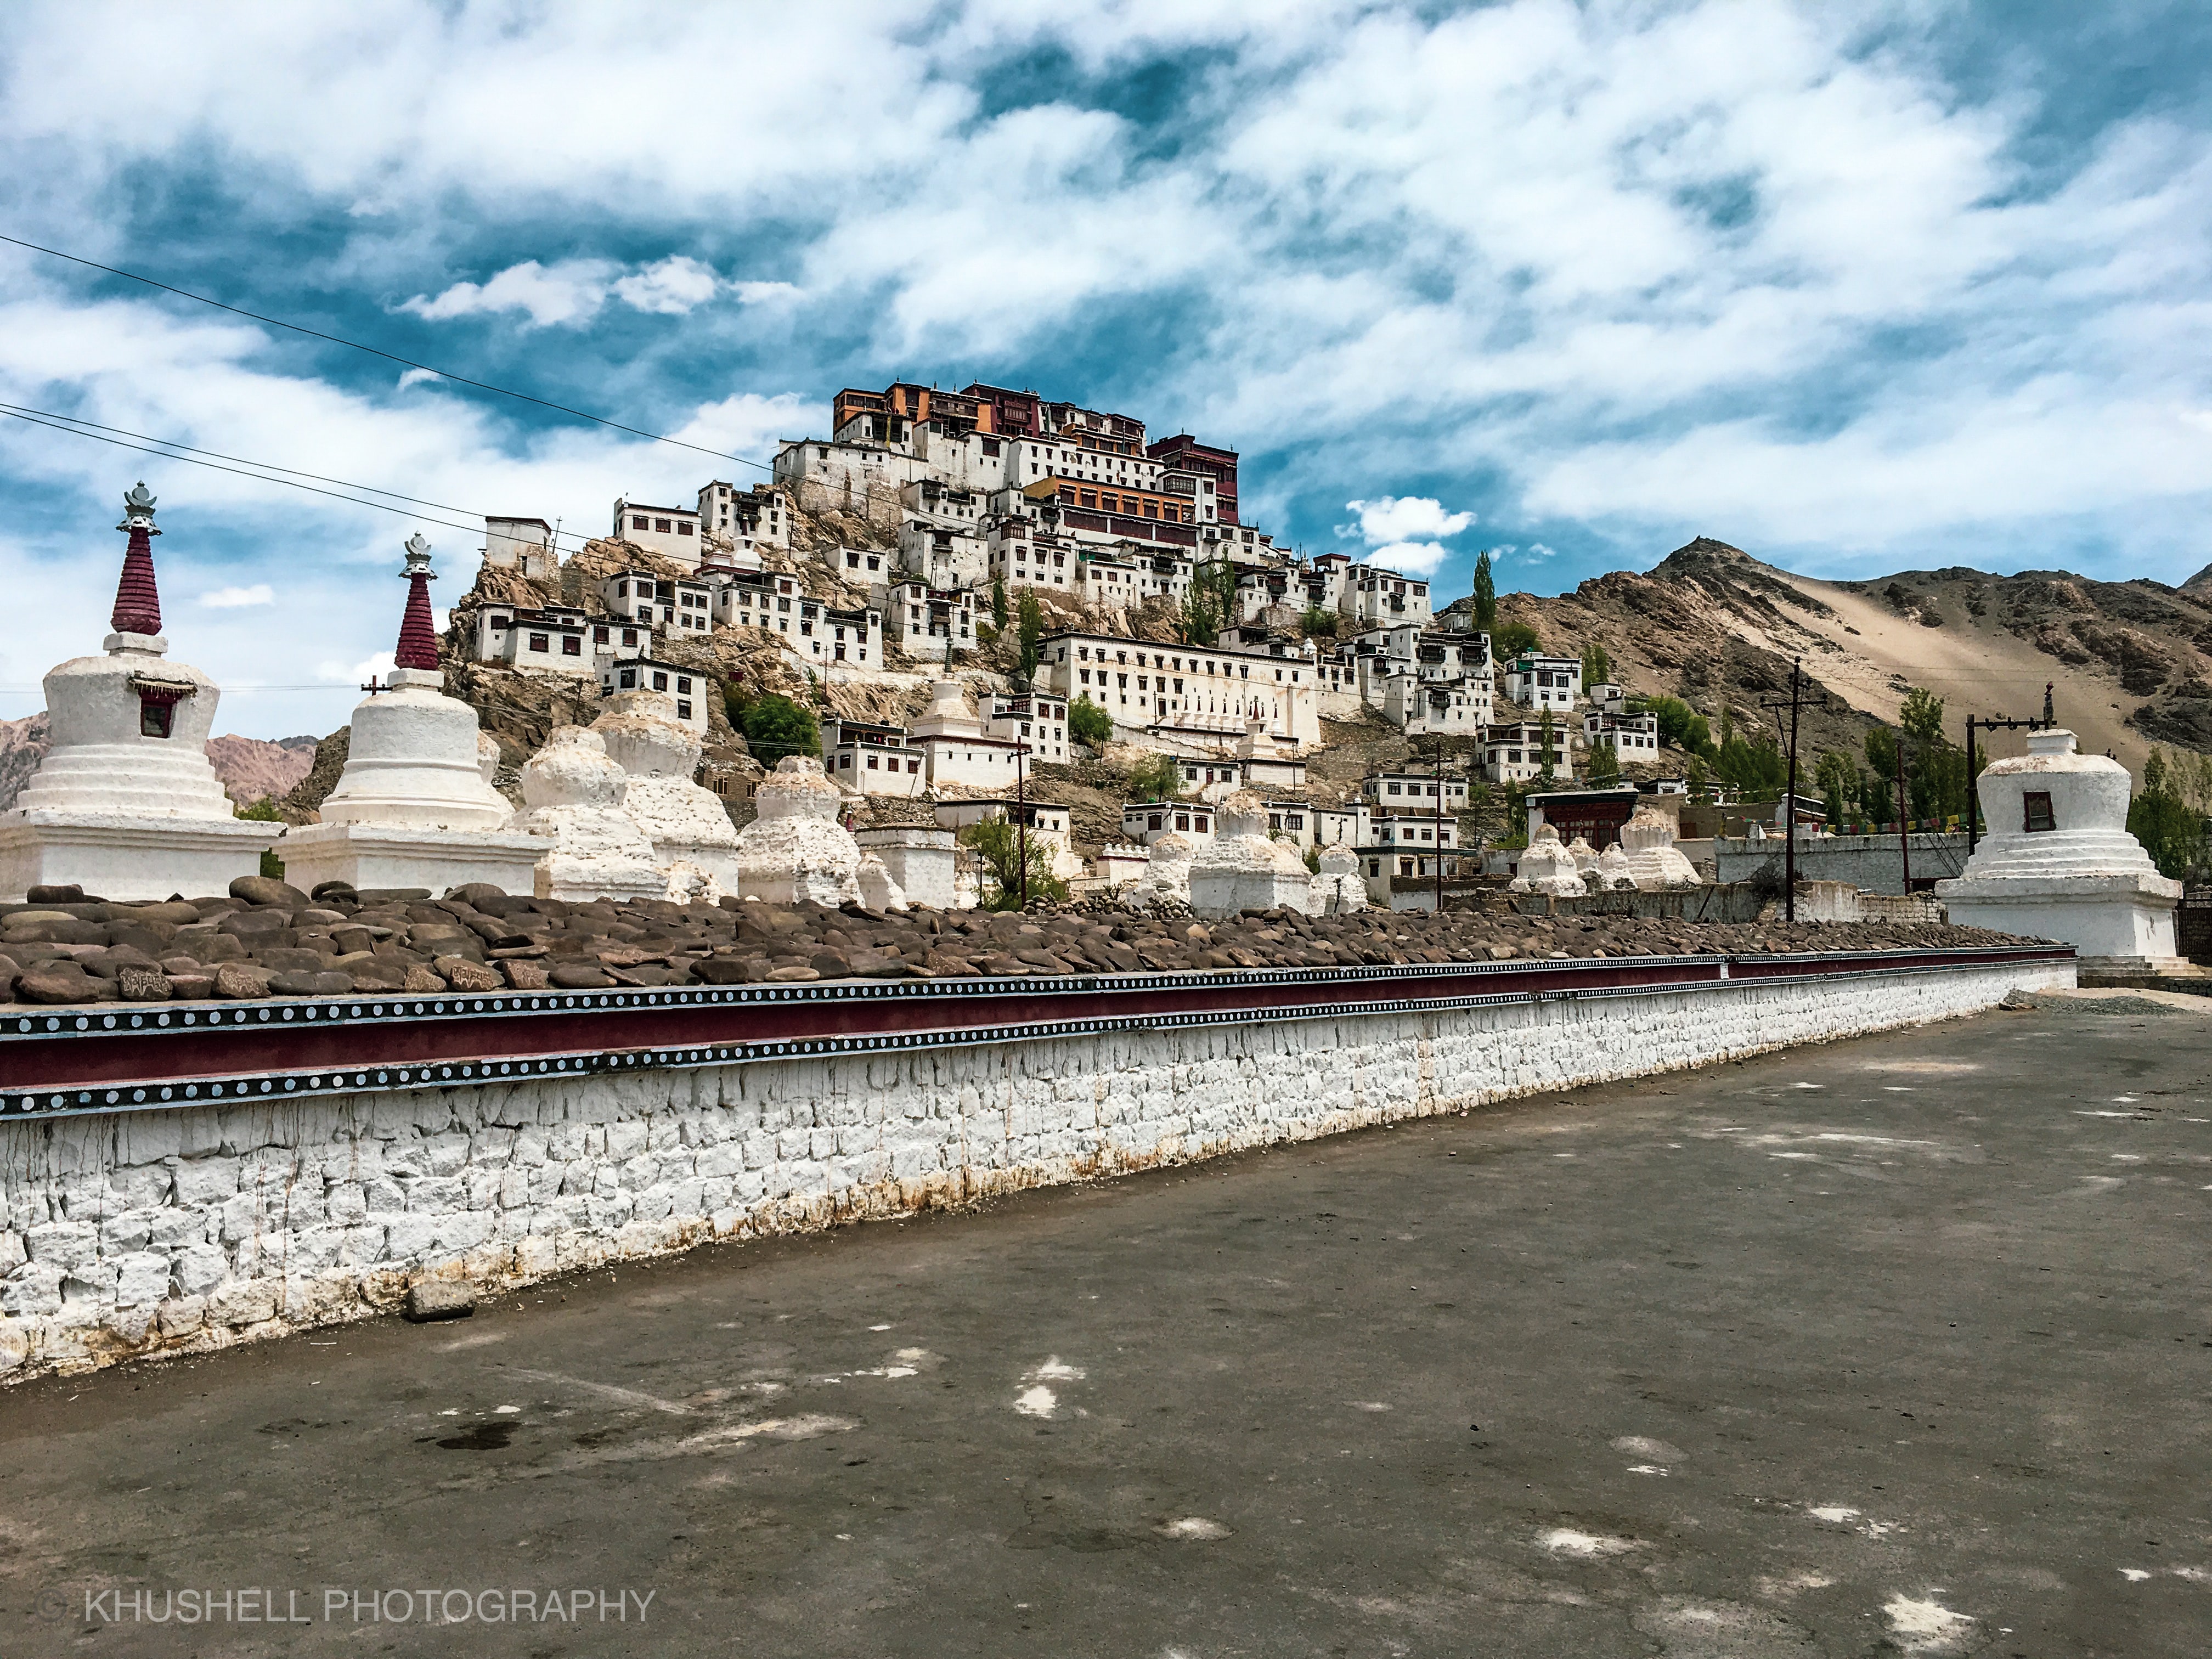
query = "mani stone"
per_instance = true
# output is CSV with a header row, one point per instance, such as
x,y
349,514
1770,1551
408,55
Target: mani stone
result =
x,y
1548,867
125,804
413,807
796,850
1243,867
2060,864
686,824
1655,863
574,794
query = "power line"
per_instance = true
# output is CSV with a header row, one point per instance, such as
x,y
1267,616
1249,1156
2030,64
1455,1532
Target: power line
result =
x,y
389,356
240,471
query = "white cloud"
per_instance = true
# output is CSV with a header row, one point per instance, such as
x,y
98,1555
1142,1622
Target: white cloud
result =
x,y
573,291
232,599
1396,519
570,292
1414,558
669,288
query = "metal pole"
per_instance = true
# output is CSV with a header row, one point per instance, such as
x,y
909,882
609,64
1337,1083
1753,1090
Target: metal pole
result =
x,y
1022,819
1440,823
1972,804
1904,823
1790,829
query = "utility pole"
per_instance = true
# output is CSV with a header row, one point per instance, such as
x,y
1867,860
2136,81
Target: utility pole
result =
x,y
1789,799
1904,823
1440,823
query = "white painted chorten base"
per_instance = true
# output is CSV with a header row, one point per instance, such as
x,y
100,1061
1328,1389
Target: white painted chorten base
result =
x,y
368,855
125,857
2117,923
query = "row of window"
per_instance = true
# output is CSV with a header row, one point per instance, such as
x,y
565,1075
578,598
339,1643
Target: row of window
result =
x,y
681,527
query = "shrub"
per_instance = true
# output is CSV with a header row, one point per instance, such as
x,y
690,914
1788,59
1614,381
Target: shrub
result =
x,y
1088,723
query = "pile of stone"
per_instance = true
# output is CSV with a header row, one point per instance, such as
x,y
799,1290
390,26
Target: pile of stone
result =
x,y
265,939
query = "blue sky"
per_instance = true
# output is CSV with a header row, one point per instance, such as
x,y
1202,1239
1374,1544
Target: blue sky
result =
x,y
1856,286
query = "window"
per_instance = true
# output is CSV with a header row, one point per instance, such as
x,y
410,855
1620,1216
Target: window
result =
x,y
154,714
683,526
629,636
571,645
541,642
2036,812
598,636
629,679
683,709
661,682
500,624
639,524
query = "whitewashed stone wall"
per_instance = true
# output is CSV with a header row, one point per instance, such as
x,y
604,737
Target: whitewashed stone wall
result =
x,y
138,1232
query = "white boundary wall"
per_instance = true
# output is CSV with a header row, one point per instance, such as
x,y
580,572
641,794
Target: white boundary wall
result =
x,y
137,1232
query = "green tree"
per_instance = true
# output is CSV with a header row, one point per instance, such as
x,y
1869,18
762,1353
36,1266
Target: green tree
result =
x,y
1836,775
1158,777
1317,621
1088,723
1210,604
1485,595
999,844
1604,764
1679,724
264,811
1545,772
775,727
1032,632
1597,668
2171,828
1922,716
1513,639
1753,764
999,603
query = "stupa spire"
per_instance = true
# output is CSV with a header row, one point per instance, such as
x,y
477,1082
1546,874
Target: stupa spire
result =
x,y
138,600
418,639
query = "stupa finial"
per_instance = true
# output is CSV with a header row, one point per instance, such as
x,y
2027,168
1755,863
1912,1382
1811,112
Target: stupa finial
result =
x,y
138,600
418,639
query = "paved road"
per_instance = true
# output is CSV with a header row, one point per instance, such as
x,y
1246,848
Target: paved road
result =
x,y
1903,1340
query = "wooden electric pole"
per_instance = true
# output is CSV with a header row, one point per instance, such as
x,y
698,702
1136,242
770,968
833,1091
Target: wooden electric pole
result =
x,y
1789,799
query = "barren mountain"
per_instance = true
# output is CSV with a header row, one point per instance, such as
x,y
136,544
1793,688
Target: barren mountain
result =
x,y
2129,663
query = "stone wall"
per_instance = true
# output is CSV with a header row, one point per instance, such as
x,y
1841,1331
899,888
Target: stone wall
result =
x,y
1870,862
129,1233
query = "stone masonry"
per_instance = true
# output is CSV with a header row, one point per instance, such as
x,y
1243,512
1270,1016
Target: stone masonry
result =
x,y
137,1232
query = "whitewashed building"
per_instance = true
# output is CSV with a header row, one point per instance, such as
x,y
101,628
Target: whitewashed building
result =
x,y
561,638
1184,694
523,545
921,618
687,688
1633,737
1514,753
870,758
1037,719
1144,821
670,531
1535,681
679,607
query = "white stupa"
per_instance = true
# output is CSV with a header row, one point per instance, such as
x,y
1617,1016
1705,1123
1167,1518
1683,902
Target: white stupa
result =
x,y
1655,863
2060,864
1243,867
1339,888
686,824
126,804
572,795
413,807
796,849
1546,866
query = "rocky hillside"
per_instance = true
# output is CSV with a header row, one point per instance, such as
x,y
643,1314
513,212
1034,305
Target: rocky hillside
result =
x,y
249,768
2130,662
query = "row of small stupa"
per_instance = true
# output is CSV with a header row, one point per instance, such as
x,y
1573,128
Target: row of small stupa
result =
x,y
127,806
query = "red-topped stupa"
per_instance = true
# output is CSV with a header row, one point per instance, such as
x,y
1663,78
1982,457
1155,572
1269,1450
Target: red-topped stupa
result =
x,y
414,806
125,805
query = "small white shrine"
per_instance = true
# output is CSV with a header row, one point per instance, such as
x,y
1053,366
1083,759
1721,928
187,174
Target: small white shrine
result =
x,y
687,825
1339,888
573,794
1546,866
796,849
1243,868
1655,863
2059,863
921,861
126,804
1167,872
414,806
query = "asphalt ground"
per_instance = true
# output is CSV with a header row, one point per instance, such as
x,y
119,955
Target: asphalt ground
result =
x,y
1900,1343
